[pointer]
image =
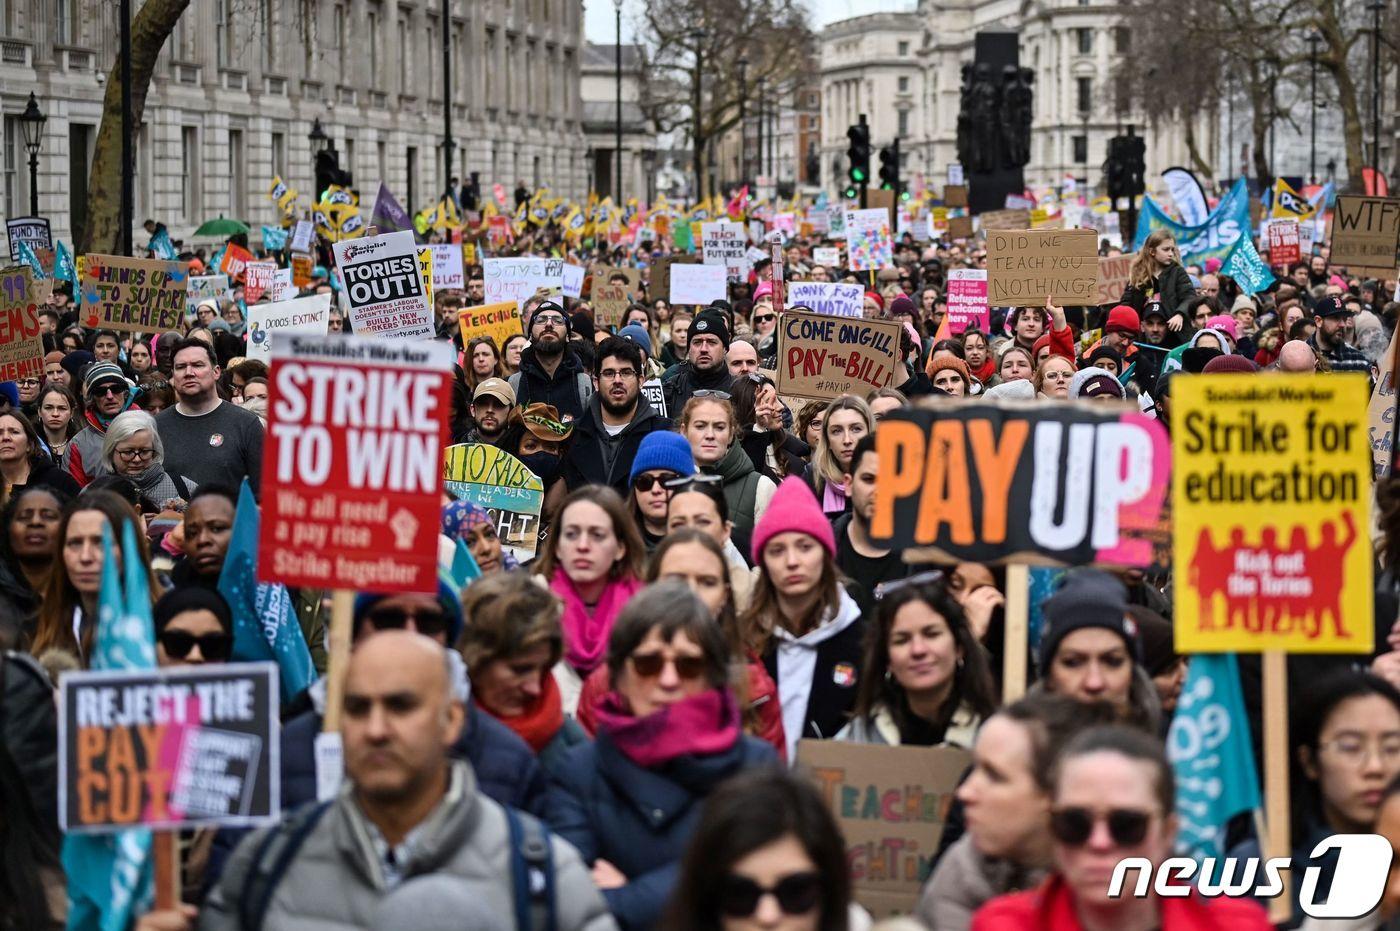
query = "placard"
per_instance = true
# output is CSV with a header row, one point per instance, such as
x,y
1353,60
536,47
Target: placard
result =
x,y
517,279
955,174
1270,495
960,228
655,395
825,297
21,343
36,234
170,748
698,284
955,195
203,287
1285,243
1057,483
1024,266
1112,280
301,236
384,288
967,300
303,268
235,261
498,321
1381,412
661,272
869,243
308,315
892,804
726,244
282,288
825,357
836,219
257,278
572,280
494,479
611,297
1015,219
447,267
1366,234
352,462
133,295
829,256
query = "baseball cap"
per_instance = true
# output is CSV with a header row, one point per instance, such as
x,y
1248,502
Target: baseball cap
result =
x,y
1331,307
497,388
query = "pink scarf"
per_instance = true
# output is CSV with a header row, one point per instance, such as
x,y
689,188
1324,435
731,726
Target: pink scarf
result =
x,y
586,635
833,498
701,725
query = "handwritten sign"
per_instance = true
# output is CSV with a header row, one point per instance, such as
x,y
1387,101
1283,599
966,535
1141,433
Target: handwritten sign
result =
x,y
967,300
1366,233
829,256
204,287
1381,413
310,315
447,267
661,271
1113,279
235,261
134,295
825,297
35,233
698,284
384,287
517,279
869,242
21,343
825,357
1026,265
1014,219
494,479
612,290
498,321
726,244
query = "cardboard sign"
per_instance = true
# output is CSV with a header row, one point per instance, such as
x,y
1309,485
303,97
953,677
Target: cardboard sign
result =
x,y
498,321
967,300
612,290
726,244
447,267
354,446
869,242
517,279
825,297
955,195
494,479
169,748
21,344
1015,219
203,287
1270,495
133,295
1113,279
655,395
258,280
1026,265
235,262
384,287
1052,484
661,272
891,803
836,219
1381,412
303,268
1366,234
1285,243
698,284
960,228
829,256
825,357
36,234
309,315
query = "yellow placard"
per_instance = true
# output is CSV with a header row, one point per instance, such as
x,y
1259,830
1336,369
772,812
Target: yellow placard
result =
x,y
1270,490
425,271
498,321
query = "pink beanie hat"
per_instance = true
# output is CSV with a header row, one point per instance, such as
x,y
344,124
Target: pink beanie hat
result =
x,y
1213,266
793,508
764,289
1226,323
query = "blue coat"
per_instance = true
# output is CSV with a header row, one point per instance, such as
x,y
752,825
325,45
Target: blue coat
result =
x,y
639,820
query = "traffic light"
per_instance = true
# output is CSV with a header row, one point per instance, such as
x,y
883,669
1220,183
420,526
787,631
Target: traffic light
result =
x,y
1125,166
851,192
858,153
889,167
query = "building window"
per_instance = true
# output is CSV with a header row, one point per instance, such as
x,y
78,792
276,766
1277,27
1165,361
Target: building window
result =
x,y
279,155
14,197
80,142
237,175
411,169
904,85
903,124
1084,94
903,48
342,38
66,16
350,156
269,29
222,27
1086,41
382,157
189,170
1081,149
373,25
403,56
1122,39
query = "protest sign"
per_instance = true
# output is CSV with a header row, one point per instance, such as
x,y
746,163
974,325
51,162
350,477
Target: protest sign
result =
x,y
698,284
202,287
21,343
891,803
661,271
235,261
282,288
612,290
301,236
494,479
1023,266
572,278
384,288
1285,244
960,228
134,295
257,280
1015,219
168,748
824,357
967,300
869,243
447,267
1112,279
955,195
1053,484
955,175
655,395
1270,496
353,451
836,219
302,269
1365,233
517,279
308,315
1381,412
498,321
725,244
35,233
825,297
827,255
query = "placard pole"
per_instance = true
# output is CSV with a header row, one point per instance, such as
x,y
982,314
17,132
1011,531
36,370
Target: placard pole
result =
x,y
1016,632
1278,841
338,647
167,869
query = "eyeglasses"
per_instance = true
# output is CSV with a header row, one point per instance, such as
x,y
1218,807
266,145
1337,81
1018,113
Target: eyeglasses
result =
x,y
649,665
135,455
427,621
885,589
717,395
1355,751
645,483
28,382
758,379
797,894
617,374
1072,826
101,391
213,647
764,318
555,319
678,485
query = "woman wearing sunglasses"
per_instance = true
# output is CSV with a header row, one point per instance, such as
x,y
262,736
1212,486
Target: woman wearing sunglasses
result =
x,y
661,458
766,855
669,732
1114,797
193,626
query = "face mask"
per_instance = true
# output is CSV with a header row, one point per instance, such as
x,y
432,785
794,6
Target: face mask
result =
x,y
545,465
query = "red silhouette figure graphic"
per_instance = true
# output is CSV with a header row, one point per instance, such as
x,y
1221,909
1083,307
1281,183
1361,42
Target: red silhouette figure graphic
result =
x,y
1210,573
1324,567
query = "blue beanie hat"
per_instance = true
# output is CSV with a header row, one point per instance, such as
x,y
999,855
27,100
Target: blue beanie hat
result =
x,y
636,333
446,597
662,449
10,390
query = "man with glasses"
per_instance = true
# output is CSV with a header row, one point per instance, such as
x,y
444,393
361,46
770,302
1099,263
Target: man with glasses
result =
x,y
550,372
108,392
206,439
705,367
608,435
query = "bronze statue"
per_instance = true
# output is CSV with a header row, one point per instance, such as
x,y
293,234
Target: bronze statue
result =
x,y
1017,112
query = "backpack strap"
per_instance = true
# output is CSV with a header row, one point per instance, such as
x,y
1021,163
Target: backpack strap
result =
x,y
583,383
270,863
532,872
514,382
181,487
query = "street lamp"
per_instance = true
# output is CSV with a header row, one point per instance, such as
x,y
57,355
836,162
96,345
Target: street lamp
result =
x,y
698,36
743,120
32,123
319,140
1313,40
762,117
1376,7
617,8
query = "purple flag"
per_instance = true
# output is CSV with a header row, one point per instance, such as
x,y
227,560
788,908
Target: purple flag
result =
x,y
388,215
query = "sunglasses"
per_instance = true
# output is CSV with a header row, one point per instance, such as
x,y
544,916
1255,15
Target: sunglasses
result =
x,y
649,665
717,395
885,589
101,391
1072,826
680,484
645,483
213,647
796,894
427,621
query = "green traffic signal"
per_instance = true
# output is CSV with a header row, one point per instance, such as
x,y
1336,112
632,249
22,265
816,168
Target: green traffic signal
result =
x,y
858,175
850,193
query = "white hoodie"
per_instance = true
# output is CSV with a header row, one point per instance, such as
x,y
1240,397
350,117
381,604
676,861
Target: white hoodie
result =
x,y
797,661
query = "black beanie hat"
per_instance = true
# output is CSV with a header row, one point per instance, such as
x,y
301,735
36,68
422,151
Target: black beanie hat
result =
x,y
554,306
1089,598
710,321
191,598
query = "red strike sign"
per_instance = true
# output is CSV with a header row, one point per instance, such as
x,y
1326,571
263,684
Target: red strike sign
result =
x,y
356,429
1285,246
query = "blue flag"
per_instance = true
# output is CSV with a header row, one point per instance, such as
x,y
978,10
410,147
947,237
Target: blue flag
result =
x,y
63,268
1244,264
274,238
265,623
24,254
1210,749
1212,239
109,875
161,246
464,567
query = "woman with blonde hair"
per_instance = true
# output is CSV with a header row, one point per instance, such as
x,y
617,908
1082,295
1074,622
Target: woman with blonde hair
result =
x,y
847,419
1156,271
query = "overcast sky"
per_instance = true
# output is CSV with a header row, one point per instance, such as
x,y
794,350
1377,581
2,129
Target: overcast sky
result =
x,y
600,25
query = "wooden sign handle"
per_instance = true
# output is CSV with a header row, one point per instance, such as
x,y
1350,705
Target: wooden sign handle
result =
x,y
338,648
1278,841
165,846
1016,632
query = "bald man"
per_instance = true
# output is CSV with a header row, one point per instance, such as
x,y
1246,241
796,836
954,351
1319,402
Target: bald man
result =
x,y
408,809
1297,356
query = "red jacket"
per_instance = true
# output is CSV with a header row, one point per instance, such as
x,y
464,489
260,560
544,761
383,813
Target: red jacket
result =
x,y
1051,908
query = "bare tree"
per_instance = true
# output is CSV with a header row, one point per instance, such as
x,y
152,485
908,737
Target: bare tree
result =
x,y
1342,54
690,59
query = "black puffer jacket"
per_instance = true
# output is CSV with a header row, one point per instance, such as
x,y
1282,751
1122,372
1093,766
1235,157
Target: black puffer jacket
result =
x,y
29,732
595,458
1173,284
568,390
